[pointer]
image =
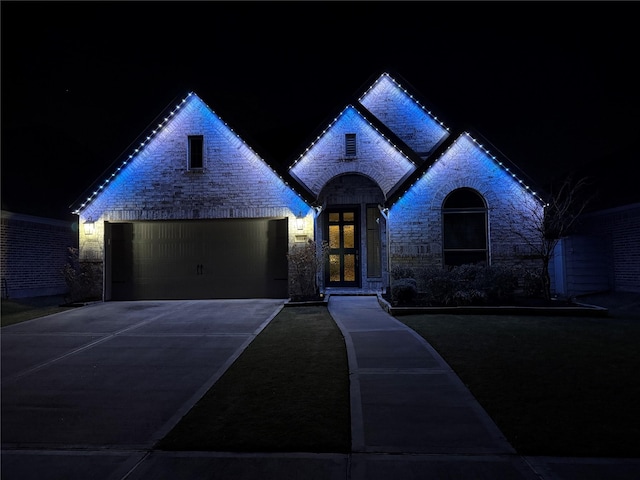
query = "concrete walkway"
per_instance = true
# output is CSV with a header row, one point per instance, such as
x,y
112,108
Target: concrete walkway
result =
x,y
86,394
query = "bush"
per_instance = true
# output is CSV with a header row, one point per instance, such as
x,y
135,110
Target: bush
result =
x,y
467,285
399,272
404,290
83,279
533,283
499,283
304,265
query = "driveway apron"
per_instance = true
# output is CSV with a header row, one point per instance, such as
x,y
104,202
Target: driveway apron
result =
x,y
118,373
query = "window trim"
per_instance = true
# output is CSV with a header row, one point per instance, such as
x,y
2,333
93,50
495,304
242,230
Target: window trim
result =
x,y
465,211
190,140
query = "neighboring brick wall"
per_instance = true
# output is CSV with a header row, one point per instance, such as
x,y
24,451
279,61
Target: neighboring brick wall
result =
x,y
416,218
618,231
34,251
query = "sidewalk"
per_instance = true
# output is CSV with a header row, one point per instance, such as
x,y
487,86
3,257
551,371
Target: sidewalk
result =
x,y
406,400
412,417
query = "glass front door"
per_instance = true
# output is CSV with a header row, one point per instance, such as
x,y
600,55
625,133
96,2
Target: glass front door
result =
x,y
342,268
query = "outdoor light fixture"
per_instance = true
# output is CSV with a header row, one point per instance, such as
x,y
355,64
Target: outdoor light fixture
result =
x,y
89,227
300,222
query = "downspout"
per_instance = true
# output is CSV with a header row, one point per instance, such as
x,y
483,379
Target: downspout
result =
x,y
317,210
384,211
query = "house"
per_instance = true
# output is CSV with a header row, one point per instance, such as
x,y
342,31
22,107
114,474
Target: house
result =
x,y
194,212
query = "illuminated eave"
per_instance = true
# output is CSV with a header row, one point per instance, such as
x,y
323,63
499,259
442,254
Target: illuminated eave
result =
x,y
162,125
333,122
493,157
408,94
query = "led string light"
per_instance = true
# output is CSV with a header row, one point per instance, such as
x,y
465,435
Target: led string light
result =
x,y
408,94
155,132
490,155
333,122
135,152
504,167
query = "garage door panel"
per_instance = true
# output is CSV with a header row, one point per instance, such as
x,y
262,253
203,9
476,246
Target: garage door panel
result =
x,y
230,258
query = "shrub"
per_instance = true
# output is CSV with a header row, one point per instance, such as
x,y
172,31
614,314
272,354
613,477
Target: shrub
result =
x,y
404,290
467,285
498,282
533,283
304,265
400,271
83,279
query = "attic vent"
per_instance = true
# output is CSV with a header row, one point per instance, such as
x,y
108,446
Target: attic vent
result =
x,y
350,144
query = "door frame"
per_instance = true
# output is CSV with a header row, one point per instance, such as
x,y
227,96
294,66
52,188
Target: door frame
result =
x,y
341,250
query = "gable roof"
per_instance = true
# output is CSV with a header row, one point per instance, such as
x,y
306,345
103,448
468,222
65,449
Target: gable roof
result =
x,y
424,159
137,147
455,131
113,170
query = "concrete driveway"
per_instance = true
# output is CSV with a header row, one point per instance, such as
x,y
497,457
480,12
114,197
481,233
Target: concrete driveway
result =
x,y
118,374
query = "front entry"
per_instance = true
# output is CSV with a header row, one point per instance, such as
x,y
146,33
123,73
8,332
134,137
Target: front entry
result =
x,y
343,263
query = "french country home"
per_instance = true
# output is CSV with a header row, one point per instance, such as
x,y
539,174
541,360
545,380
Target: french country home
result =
x,y
194,212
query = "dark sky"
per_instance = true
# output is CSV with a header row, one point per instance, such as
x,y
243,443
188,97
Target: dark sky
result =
x,y
554,86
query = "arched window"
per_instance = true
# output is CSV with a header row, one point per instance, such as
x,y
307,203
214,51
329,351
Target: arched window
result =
x,y
464,221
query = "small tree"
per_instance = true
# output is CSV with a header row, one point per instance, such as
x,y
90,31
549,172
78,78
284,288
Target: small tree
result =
x,y
305,263
556,220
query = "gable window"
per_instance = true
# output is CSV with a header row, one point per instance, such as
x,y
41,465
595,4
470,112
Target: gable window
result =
x,y
464,222
350,144
195,152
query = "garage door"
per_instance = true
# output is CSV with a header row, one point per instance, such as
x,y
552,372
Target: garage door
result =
x,y
226,258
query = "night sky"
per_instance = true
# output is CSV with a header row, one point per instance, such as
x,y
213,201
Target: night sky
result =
x,y
553,86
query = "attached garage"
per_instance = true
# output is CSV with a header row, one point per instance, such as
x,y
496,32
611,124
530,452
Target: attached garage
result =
x,y
196,259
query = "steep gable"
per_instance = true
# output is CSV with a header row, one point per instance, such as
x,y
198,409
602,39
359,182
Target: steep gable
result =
x,y
376,156
404,115
156,182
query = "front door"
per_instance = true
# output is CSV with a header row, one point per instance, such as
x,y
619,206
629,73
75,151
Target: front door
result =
x,y
343,266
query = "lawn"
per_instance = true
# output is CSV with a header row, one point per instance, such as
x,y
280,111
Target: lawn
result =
x,y
287,392
558,386
20,310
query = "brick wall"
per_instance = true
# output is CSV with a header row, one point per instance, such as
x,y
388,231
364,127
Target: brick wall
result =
x,y
375,158
34,251
416,218
400,112
156,184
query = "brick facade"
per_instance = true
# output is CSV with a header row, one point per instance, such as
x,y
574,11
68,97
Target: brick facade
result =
x,y
416,218
157,184
401,158
34,251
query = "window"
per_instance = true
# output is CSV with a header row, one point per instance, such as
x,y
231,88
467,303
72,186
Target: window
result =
x,y
350,144
374,261
195,152
464,221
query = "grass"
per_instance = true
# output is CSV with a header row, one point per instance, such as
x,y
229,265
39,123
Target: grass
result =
x,y
21,310
287,392
557,386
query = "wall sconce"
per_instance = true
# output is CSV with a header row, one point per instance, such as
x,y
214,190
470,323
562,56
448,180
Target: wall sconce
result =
x,y
300,222
89,227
